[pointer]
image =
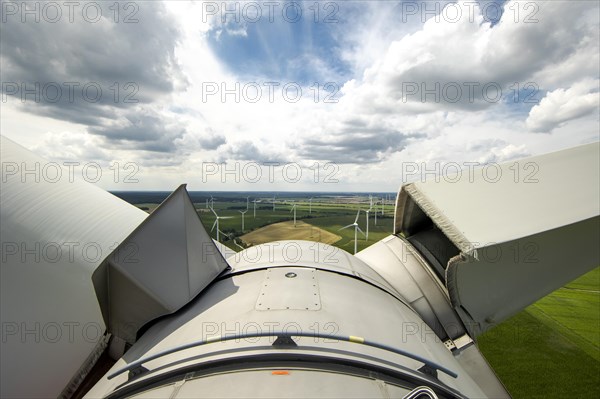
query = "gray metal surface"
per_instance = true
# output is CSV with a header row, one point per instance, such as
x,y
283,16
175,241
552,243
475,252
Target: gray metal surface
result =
x,y
476,365
348,306
518,239
225,250
503,282
289,288
297,383
380,324
483,208
396,260
159,268
54,233
306,254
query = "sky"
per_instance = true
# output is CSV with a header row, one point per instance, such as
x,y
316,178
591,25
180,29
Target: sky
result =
x,y
295,96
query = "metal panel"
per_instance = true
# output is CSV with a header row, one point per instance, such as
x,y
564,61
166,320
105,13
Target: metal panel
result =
x,y
478,368
479,208
397,261
349,306
225,250
520,238
174,260
292,383
510,276
307,254
54,234
289,288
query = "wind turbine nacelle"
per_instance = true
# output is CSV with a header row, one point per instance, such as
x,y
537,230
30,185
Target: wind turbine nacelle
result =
x,y
288,318
292,316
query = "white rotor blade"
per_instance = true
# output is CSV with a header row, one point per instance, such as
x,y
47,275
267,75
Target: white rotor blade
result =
x,y
52,290
345,227
359,229
552,222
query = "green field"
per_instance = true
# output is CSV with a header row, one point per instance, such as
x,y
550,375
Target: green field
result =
x,y
330,216
293,231
550,349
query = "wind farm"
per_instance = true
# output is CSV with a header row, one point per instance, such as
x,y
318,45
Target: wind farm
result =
x,y
328,212
300,199
356,230
218,230
337,219
294,211
305,222
243,213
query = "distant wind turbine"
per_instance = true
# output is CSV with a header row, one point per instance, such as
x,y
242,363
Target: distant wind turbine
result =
x,y
255,201
212,202
367,219
375,213
216,223
244,212
382,204
294,210
367,216
356,230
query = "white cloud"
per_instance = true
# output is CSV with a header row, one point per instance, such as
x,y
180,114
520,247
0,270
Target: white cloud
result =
x,y
562,105
71,146
467,50
372,125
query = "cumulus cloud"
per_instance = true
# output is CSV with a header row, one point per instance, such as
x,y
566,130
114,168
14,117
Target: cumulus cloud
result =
x,y
354,141
469,64
206,139
501,151
381,61
431,79
562,105
96,72
71,146
142,129
245,150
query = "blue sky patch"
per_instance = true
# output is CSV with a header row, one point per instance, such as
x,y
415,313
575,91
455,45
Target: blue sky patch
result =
x,y
304,52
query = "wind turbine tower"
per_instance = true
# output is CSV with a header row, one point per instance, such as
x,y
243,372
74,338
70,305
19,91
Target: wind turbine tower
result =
x,y
244,212
294,210
375,213
216,223
367,219
254,201
356,230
